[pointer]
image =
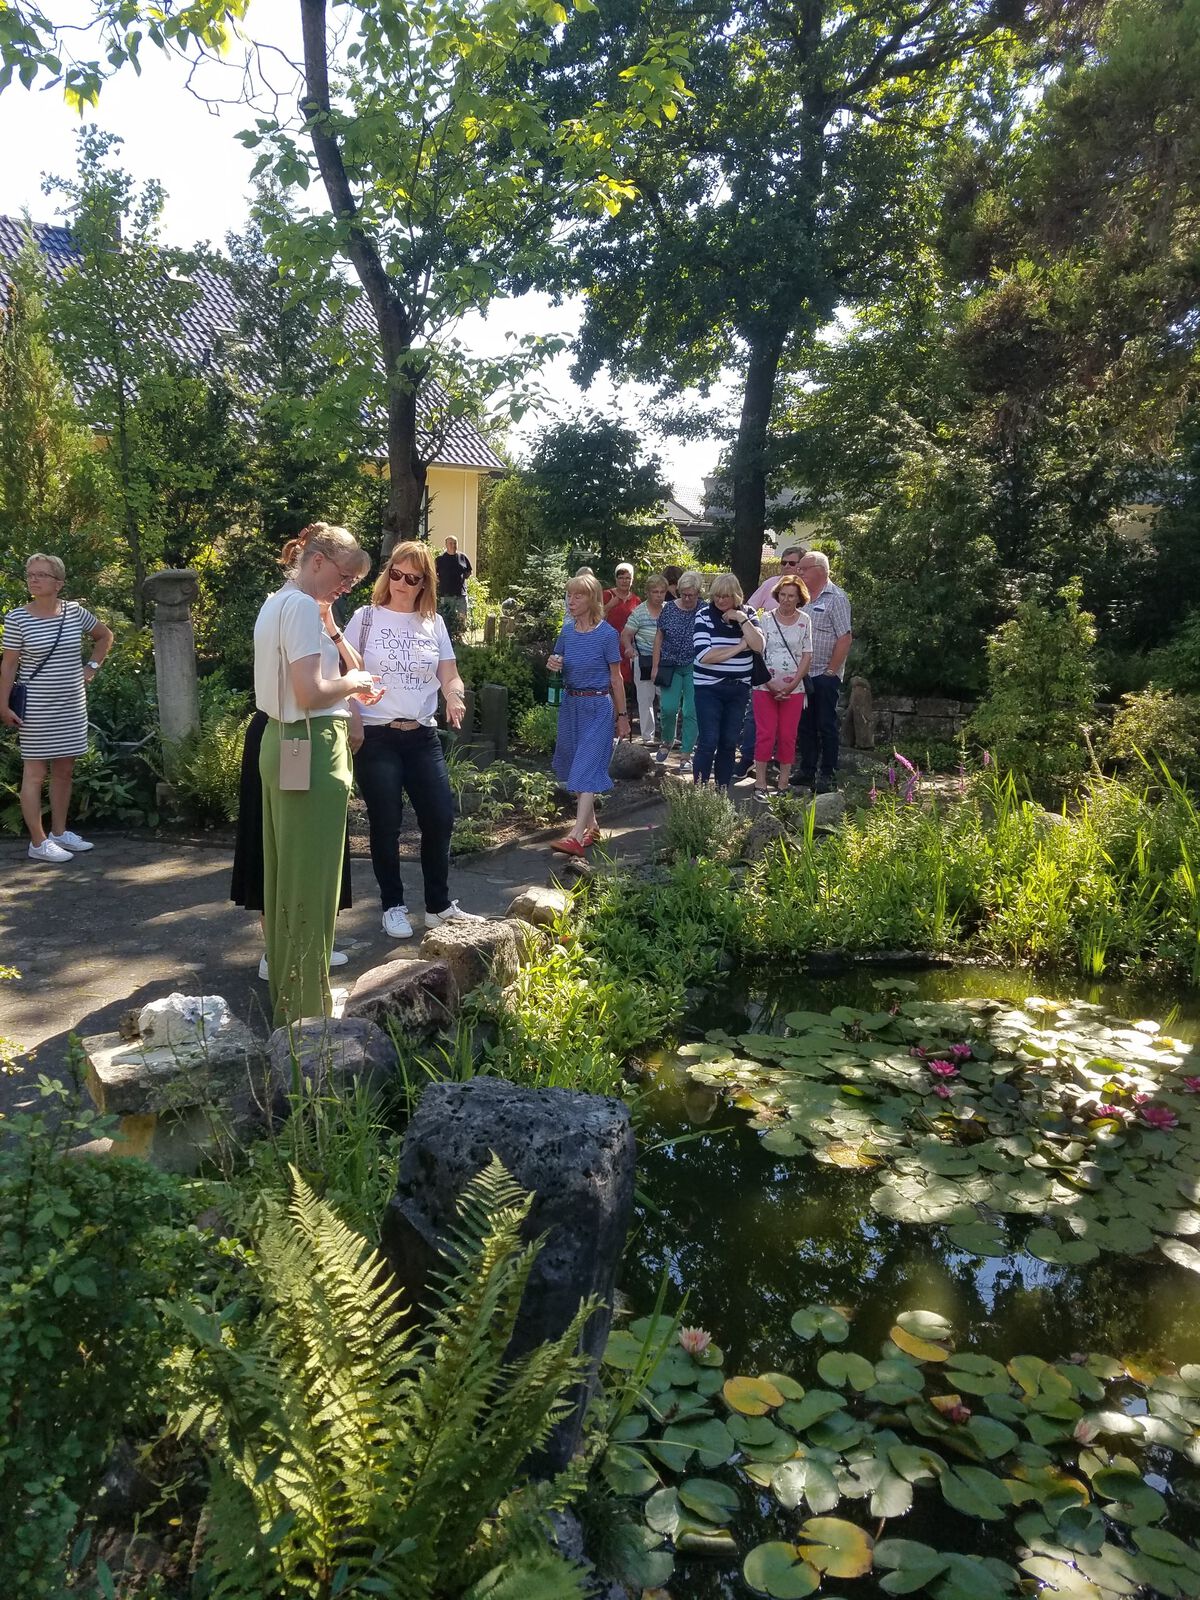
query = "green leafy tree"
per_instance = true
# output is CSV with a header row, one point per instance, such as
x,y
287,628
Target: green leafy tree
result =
x,y
33,45
55,492
511,525
117,316
445,176
593,484
1041,694
780,193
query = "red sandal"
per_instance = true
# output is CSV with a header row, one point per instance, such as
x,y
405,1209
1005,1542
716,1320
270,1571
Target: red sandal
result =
x,y
570,846
592,836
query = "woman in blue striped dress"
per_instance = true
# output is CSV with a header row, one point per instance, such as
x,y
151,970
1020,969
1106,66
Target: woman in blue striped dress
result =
x,y
42,651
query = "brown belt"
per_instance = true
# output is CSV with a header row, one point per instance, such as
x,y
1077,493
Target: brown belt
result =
x,y
604,692
405,724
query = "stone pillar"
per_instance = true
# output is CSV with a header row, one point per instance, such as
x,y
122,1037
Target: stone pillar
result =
x,y
575,1153
172,592
493,715
489,628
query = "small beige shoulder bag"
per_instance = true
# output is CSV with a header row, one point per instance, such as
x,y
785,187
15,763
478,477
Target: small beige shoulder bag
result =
x,y
295,754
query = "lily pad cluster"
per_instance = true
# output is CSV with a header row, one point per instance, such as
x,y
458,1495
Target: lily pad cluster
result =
x,y
973,1112
1069,1459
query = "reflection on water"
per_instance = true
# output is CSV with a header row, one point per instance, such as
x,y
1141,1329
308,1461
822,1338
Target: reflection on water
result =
x,y
752,1237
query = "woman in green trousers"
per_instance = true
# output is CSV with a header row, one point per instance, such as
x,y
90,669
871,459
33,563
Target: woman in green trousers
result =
x,y
304,765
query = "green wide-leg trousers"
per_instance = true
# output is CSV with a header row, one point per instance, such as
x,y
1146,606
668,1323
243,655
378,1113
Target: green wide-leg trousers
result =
x,y
303,833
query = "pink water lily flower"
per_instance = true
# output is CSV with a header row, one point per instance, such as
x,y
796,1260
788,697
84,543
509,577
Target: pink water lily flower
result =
x,y
918,1052
942,1090
1191,1085
694,1340
1159,1117
1122,1113
959,1052
942,1069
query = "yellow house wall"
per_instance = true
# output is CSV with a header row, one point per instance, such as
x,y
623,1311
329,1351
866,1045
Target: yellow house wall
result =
x,y
454,509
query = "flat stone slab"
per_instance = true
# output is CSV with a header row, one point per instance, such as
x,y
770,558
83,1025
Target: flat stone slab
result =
x,y
540,904
327,1052
417,998
128,1078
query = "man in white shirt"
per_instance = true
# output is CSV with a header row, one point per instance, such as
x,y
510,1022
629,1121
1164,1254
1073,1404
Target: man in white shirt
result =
x,y
829,610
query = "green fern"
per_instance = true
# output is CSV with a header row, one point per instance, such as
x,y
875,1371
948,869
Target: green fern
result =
x,y
353,1457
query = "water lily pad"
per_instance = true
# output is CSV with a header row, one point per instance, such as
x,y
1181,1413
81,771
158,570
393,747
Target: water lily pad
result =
x,y
919,1349
711,1499
979,1238
911,1566
842,1367
1049,1246
914,1463
975,1492
636,1559
976,1374
779,1570
800,1415
806,1480
993,1438
838,1548
1131,1500
663,1512
622,1351
628,1471
754,1397
925,1324
826,1321
1181,1253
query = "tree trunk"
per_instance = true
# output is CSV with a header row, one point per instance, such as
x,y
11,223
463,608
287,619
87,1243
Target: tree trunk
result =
x,y
749,457
406,472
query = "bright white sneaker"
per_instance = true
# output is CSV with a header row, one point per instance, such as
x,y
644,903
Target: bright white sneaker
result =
x,y
71,841
453,913
48,851
396,924
337,958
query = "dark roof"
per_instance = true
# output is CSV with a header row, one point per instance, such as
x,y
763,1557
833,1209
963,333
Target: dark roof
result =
x,y
214,315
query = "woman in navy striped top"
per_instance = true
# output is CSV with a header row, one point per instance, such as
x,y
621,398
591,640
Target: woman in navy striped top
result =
x,y
725,641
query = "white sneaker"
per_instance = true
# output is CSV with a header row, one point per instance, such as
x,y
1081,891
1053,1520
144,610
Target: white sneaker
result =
x,y
396,924
337,958
71,841
453,913
48,851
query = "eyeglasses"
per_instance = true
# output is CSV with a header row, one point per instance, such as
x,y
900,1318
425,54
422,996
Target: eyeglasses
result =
x,y
412,579
348,578
53,576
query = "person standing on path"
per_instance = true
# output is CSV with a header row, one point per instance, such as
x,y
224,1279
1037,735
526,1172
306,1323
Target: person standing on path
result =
x,y
724,644
304,764
619,604
453,570
778,703
763,598
671,668
637,642
404,643
829,611
42,658
588,654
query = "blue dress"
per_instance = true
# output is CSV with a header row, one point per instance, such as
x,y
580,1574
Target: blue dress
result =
x,y
585,721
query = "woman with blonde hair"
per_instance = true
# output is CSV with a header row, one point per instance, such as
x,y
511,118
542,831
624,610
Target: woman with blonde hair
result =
x,y
404,644
43,684
725,641
304,763
588,654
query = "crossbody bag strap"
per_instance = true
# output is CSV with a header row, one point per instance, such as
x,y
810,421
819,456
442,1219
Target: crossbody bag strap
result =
x,y
364,632
783,638
283,682
52,648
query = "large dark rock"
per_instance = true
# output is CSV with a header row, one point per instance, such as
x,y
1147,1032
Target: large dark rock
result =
x,y
764,831
574,1152
630,761
416,998
327,1052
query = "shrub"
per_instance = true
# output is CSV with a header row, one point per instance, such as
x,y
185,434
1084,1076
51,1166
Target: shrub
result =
x,y
89,1248
1176,665
1159,726
348,1447
700,821
502,663
123,701
537,729
1041,693
208,764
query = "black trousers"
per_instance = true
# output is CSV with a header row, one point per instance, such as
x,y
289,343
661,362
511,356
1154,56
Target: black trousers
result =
x,y
817,749
394,762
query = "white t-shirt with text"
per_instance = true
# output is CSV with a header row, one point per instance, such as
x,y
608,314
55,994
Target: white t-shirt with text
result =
x,y
404,649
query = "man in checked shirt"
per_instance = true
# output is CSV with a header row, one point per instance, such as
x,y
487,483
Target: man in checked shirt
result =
x,y
829,609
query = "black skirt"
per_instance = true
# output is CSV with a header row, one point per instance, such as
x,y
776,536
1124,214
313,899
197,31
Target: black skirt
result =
x,y
246,884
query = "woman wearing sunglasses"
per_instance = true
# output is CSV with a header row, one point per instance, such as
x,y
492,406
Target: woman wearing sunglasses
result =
x,y
404,644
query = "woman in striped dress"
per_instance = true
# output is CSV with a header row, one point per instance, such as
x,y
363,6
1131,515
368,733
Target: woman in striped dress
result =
x,y
42,650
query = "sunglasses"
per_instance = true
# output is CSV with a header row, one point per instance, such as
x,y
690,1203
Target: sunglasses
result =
x,y
412,579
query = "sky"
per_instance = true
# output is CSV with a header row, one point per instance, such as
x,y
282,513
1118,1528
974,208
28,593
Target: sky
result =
x,y
192,149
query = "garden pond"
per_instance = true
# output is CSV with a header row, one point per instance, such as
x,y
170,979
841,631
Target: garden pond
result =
x,y
944,1237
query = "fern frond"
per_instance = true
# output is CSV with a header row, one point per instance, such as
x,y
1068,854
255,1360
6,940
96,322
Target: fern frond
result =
x,y
235,1551
542,1577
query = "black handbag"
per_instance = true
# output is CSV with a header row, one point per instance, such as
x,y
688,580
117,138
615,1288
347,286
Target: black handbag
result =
x,y
759,672
645,664
18,695
665,676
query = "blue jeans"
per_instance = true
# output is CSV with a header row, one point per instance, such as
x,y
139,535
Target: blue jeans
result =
x,y
391,762
720,712
817,749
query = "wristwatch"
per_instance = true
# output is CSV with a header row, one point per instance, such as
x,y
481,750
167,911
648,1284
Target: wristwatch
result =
x,y
95,665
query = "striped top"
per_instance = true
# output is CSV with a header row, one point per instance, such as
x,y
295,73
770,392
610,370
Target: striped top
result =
x,y
711,631
55,722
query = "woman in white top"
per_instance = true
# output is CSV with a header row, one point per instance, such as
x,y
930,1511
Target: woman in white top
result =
x,y
779,703
403,642
304,763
